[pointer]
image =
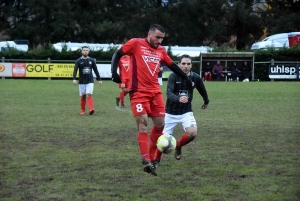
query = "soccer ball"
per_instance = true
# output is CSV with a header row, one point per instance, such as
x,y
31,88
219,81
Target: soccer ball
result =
x,y
166,144
246,80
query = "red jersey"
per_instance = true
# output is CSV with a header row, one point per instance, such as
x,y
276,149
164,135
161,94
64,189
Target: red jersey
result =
x,y
145,63
124,65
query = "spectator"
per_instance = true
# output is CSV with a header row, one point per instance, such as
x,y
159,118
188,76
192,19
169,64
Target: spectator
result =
x,y
234,71
246,71
207,72
217,70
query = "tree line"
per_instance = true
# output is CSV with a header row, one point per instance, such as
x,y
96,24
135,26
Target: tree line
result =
x,y
216,23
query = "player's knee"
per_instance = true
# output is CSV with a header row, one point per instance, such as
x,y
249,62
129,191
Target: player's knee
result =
x,y
142,128
191,132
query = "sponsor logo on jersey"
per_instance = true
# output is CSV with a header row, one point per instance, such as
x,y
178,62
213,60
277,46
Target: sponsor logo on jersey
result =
x,y
148,60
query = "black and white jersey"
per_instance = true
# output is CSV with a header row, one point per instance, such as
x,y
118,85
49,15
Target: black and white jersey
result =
x,y
85,67
178,87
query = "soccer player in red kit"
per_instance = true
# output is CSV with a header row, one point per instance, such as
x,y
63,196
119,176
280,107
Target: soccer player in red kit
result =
x,y
145,95
124,74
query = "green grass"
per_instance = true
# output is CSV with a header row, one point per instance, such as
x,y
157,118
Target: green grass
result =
x,y
247,148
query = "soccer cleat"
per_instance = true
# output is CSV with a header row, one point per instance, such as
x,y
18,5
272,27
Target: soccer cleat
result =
x,y
82,112
122,105
155,162
149,167
146,167
91,112
117,101
178,153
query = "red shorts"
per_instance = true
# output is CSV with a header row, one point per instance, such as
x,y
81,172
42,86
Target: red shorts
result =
x,y
151,103
124,85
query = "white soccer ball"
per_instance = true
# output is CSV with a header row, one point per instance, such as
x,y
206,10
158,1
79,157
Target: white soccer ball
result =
x,y
166,144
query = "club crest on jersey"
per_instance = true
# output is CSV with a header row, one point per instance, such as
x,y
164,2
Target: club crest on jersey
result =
x,y
126,66
148,60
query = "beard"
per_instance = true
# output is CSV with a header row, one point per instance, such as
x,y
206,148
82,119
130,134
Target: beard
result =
x,y
153,44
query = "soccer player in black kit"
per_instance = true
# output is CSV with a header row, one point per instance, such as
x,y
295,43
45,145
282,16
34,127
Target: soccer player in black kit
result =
x,y
179,105
85,65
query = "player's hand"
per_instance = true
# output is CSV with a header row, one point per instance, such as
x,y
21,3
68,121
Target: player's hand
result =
x,y
204,106
183,99
189,84
100,83
116,78
74,82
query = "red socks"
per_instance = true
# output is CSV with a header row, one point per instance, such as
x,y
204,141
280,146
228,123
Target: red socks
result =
x,y
154,135
183,140
82,102
122,95
143,144
91,102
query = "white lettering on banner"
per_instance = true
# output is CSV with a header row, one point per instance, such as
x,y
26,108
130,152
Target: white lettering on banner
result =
x,y
283,72
289,70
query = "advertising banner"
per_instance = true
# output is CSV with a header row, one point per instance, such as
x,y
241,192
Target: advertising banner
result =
x,y
19,69
104,70
283,71
49,70
5,70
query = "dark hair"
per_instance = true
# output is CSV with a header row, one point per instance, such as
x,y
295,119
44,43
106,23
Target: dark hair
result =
x,y
155,27
84,47
184,56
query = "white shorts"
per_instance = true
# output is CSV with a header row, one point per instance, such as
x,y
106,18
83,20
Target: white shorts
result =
x,y
86,89
186,120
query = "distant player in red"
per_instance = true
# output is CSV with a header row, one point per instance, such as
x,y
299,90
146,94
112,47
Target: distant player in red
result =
x,y
124,66
145,95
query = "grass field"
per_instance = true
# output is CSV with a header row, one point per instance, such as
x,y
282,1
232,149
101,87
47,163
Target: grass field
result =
x,y
247,149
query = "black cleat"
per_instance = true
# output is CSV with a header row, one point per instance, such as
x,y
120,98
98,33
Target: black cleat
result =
x,y
122,106
155,162
149,167
178,153
91,112
146,167
117,101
